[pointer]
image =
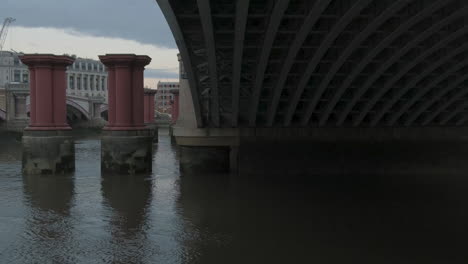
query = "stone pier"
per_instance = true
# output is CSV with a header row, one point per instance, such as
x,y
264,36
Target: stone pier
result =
x,y
48,146
127,144
149,112
16,96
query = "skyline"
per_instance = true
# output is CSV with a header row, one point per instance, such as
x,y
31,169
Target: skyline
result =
x,y
44,32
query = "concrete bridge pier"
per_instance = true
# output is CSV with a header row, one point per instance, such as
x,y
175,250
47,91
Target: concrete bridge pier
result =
x,y
48,147
207,150
149,113
95,119
126,144
16,117
324,151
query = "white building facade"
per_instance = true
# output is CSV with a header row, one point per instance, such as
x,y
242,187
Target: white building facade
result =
x,y
11,69
85,78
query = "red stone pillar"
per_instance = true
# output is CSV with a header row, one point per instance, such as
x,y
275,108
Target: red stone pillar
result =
x,y
48,91
125,90
149,106
175,107
126,142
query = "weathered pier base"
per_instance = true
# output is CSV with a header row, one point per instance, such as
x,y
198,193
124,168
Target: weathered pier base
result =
x,y
127,152
48,152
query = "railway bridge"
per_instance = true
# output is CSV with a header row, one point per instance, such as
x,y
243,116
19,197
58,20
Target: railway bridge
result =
x,y
291,81
81,111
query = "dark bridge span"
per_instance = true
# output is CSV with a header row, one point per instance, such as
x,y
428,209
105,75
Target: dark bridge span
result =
x,y
309,67
324,63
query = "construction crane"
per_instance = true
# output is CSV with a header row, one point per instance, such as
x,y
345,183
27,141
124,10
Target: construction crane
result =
x,y
4,31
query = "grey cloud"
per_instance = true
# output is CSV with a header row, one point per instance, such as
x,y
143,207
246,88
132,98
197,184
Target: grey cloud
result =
x,y
161,74
139,20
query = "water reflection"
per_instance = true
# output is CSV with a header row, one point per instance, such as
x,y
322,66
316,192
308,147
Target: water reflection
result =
x,y
10,147
48,222
127,199
168,217
328,219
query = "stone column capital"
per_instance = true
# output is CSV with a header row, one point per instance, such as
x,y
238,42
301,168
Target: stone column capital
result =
x,y
48,90
124,60
46,60
125,94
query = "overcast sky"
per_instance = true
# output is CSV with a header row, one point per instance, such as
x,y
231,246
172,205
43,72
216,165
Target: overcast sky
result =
x,y
89,28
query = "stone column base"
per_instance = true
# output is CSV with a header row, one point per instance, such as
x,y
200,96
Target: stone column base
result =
x,y
204,159
48,152
171,135
154,131
127,152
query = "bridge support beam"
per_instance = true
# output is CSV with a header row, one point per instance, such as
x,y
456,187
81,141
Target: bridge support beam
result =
x,y
149,112
207,150
48,147
127,144
175,107
95,119
321,151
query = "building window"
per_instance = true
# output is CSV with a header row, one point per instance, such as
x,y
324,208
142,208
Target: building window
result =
x,y
71,82
78,82
85,82
25,77
17,76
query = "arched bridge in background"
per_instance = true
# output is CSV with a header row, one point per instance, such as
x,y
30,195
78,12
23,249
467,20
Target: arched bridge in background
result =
x,y
319,70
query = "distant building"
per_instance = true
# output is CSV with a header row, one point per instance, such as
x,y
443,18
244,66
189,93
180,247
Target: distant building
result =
x,y
164,96
86,77
11,69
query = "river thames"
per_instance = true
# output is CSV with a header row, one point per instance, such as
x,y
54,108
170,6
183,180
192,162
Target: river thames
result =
x,y
166,217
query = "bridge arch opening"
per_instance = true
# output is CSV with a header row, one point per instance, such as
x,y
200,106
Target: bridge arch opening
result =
x,y
76,115
105,115
2,115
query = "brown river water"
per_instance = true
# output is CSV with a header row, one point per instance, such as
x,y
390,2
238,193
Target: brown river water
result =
x,y
167,217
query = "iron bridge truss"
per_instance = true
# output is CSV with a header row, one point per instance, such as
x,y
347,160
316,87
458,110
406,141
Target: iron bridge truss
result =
x,y
324,63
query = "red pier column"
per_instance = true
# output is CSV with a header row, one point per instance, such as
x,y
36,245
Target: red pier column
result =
x,y
125,90
48,88
149,106
126,142
175,106
48,146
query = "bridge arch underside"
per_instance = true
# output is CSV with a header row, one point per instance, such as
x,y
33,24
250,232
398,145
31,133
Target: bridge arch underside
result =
x,y
329,63
105,115
75,115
